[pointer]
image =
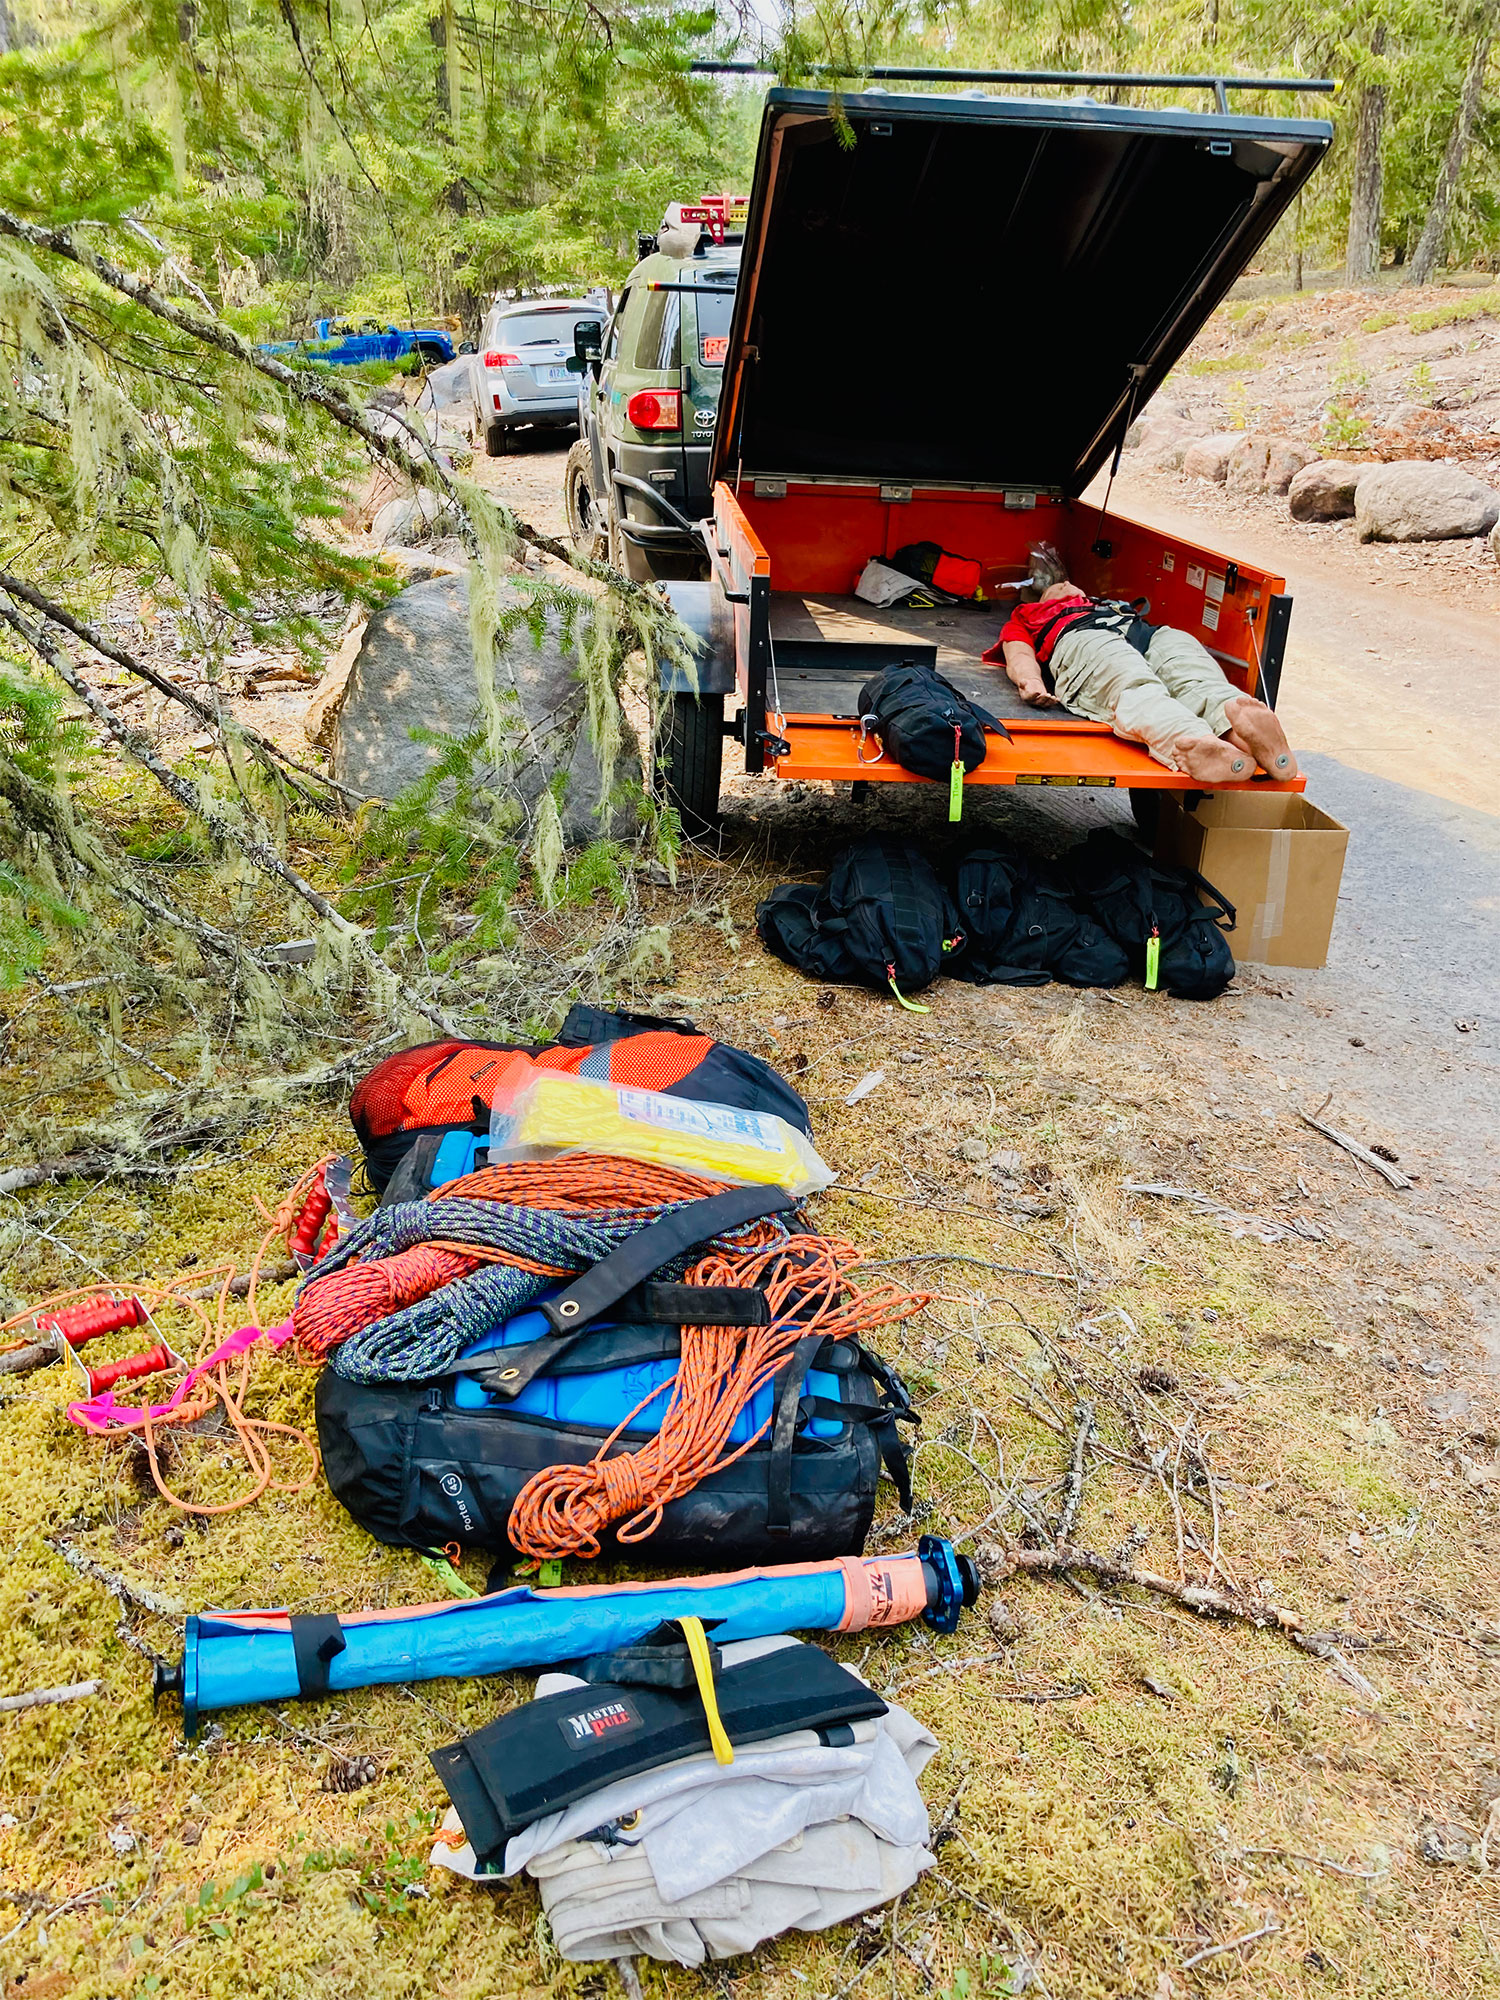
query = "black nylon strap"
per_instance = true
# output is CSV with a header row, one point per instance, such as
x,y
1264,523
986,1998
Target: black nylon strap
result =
x,y
699,1305
317,1640
895,1456
506,1371
788,1394
991,722
639,1255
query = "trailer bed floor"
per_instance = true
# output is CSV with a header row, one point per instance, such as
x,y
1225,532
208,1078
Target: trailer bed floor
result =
x,y
960,632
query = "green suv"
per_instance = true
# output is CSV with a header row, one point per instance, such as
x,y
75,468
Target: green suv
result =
x,y
636,482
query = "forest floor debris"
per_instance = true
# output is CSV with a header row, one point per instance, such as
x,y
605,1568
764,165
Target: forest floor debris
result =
x,y
1141,1743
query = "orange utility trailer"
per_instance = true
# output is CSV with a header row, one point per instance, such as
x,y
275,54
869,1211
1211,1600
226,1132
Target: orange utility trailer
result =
x,y
950,311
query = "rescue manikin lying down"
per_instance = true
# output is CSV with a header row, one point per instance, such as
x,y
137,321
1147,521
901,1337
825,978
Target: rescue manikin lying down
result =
x,y
1150,683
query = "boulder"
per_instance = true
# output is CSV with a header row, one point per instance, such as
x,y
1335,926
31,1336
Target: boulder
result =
x,y
410,518
1495,542
1285,458
1324,490
415,669
1164,440
1416,418
371,493
452,383
1209,457
1421,500
1245,468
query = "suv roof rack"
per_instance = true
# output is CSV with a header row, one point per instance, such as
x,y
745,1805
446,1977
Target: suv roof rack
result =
x,y
1104,79
718,218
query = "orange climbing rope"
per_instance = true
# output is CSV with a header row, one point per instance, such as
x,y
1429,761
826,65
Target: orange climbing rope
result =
x,y
808,1283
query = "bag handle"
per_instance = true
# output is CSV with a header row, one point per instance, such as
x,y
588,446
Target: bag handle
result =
x,y
1226,908
648,1249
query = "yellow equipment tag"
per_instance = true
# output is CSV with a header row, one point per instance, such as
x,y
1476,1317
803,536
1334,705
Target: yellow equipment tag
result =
x,y
956,792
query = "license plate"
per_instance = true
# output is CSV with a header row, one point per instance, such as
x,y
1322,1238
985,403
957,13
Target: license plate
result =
x,y
557,375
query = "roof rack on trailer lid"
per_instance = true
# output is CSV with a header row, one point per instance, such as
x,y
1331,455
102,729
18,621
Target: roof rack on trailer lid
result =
x,y
1093,79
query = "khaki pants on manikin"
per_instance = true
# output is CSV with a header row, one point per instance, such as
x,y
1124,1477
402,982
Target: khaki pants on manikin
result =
x,y
1175,689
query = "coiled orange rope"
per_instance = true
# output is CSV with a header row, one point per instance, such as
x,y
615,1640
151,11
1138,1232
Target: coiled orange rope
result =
x,y
562,1510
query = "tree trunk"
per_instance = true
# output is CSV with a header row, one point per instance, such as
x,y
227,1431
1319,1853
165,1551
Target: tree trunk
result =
x,y
1367,194
1433,241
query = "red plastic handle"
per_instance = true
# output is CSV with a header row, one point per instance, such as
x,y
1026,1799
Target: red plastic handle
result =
x,y
155,1361
95,1316
310,1221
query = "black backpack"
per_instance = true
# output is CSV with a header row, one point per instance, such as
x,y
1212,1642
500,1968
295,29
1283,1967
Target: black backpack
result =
x,y
1021,929
883,919
1136,900
923,722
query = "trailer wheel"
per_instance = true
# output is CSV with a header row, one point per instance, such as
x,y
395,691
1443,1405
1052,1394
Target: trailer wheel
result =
x,y
687,758
1145,808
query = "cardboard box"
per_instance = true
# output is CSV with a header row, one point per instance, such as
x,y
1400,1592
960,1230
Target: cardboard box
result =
x,y
1274,856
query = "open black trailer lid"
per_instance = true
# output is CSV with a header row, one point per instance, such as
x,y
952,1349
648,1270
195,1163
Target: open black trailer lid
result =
x,y
983,291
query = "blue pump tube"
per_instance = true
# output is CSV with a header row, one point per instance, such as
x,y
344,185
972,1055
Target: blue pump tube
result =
x,y
234,1657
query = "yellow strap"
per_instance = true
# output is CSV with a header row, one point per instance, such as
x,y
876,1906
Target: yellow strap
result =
x,y
911,1006
697,1645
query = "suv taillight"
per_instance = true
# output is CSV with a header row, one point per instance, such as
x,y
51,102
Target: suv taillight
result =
x,y
495,359
655,410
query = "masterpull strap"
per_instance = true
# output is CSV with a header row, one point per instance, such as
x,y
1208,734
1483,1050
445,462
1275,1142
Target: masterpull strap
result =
x,y
317,1640
639,1255
506,1371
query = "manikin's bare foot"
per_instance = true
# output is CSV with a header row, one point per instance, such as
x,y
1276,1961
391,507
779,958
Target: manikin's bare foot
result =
x,y
1213,761
1254,727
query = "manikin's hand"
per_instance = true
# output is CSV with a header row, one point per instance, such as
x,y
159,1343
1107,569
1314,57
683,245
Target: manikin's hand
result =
x,y
1034,693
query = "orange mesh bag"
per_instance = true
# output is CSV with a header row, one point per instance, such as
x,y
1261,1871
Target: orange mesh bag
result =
x,y
448,1086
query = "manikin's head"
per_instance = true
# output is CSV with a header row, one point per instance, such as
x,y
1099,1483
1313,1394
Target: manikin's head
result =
x,y
1047,574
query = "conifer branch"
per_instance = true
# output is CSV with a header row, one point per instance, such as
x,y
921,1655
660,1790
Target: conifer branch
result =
x,y
255,850
425,468
206,712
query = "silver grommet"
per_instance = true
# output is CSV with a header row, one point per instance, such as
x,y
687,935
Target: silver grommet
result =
x,y
568,1309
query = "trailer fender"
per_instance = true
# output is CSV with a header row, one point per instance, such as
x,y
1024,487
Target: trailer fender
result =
x,y
693,603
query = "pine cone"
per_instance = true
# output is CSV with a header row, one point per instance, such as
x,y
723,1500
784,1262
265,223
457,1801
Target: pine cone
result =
x,y
350,1774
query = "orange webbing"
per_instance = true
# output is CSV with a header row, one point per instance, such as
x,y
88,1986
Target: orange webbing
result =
x,y
229,1382
561,1510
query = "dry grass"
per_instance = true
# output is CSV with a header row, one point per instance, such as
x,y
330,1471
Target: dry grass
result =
x,y
1202,1781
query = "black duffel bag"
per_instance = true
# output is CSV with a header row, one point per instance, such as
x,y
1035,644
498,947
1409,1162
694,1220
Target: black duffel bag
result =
x,y
1152,911
1021,927
882,919
418,1472
923,722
